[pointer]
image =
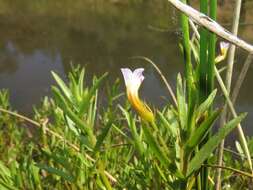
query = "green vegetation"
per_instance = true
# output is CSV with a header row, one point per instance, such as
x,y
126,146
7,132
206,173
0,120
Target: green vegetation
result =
x,y
89,137
78,144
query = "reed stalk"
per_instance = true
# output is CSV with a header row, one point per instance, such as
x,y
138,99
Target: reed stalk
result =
x,y
203,66
211,48
211,25
229,73
241,77
232,109
204,77
187,51
241,135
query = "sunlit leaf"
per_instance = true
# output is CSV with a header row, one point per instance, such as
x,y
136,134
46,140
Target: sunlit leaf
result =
x,y
212,143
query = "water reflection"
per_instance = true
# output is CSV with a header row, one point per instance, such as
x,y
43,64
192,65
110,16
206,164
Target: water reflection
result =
x,y
41,36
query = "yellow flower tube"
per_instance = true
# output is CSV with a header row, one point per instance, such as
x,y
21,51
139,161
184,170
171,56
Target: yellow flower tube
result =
x,y
224,50
133,82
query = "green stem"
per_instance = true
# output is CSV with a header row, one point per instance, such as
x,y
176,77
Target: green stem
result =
x,y
211,49
187,51
204,79
103,176
203,66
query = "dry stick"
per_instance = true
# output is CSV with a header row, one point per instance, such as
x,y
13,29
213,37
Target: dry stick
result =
x,y
37,124
211,25
229,168
194,28
235,153
229,73
232,109
230,104
241,77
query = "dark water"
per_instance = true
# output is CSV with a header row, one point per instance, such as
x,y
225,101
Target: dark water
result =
x,y
39,36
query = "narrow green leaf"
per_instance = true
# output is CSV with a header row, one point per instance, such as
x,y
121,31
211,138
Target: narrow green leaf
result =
x,y
56,171
57,158
97,83
77,98
171,128
120,131
206,104
199,134
81,81
93,110
35,175
4,170
87,97
102,136
5,186
64,106
62,85
83,106
195,50
154,146
182,106
212,143
131,123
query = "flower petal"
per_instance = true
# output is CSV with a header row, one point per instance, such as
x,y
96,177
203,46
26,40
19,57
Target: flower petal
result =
x,y
127,75
224,45
137,74
224,48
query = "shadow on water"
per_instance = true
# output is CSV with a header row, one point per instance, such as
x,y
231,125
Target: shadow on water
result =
x,y
39,36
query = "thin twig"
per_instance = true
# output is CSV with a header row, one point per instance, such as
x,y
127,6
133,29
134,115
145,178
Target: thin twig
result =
x,y
232,109
241,77
229,168
161,75
211,25
37,124
194,28
236,153
229,73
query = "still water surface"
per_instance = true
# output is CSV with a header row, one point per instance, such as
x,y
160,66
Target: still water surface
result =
x,y
41,36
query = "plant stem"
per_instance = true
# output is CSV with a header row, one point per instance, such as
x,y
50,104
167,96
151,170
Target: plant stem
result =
x,y
229,73
212,48
239,127
203,66
231,169
103,176
168,86
241,77
187,52
204,83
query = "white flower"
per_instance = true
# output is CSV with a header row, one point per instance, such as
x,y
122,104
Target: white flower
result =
x,y
133,82
224,48
134,79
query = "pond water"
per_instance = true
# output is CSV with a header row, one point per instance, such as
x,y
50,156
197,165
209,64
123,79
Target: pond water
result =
x,y
39,36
